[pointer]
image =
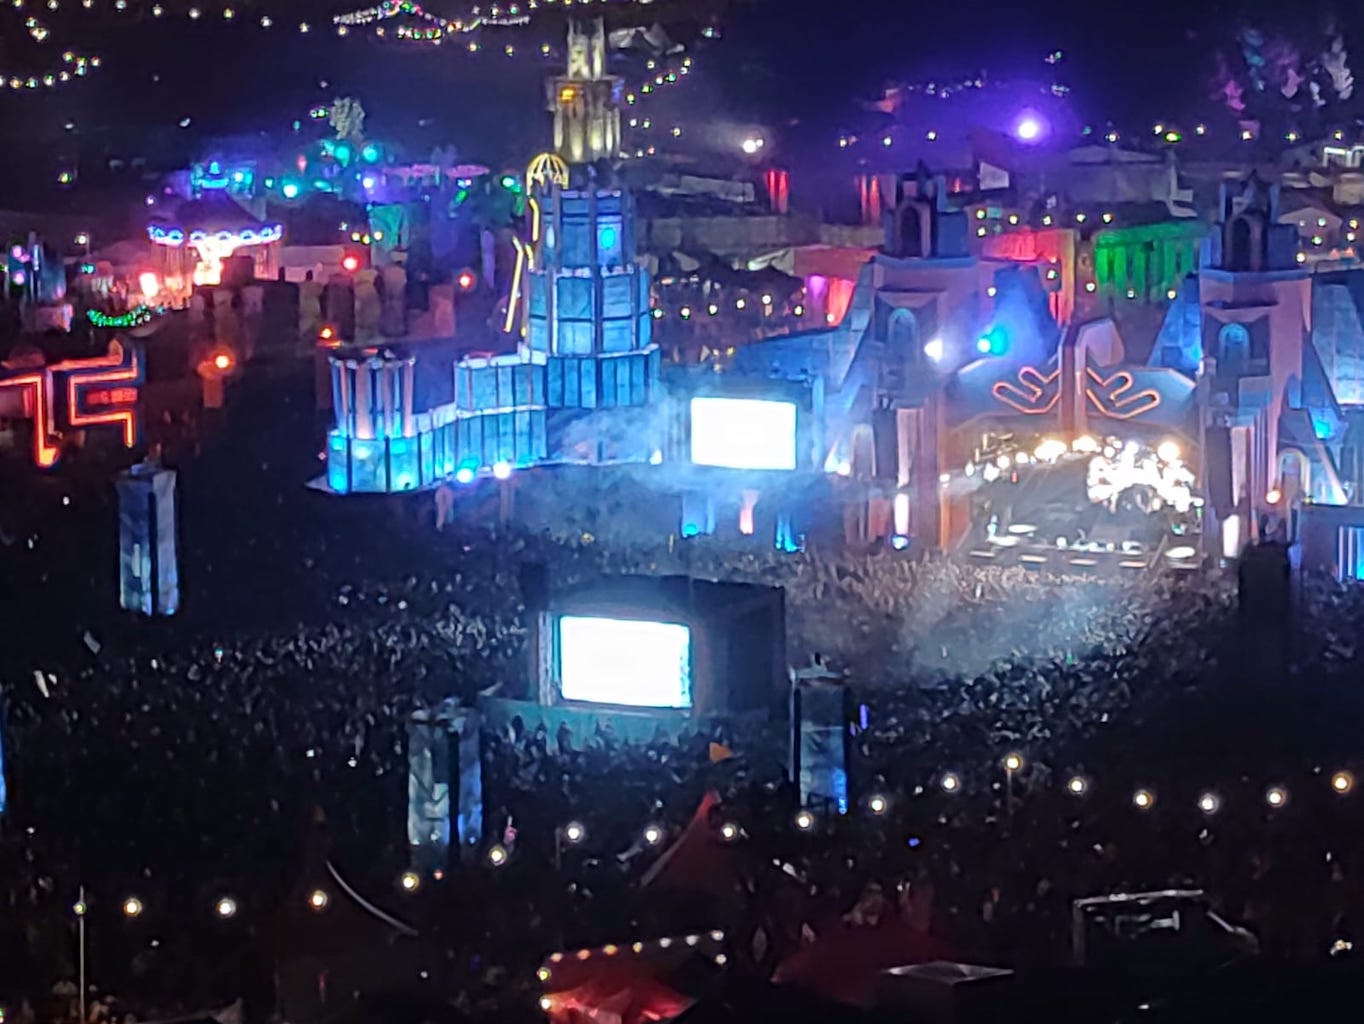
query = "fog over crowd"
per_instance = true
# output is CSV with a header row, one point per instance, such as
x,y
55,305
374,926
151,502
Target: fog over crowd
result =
x,y
266,728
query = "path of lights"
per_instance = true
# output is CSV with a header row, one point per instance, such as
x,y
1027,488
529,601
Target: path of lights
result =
x,y
74,65
135,317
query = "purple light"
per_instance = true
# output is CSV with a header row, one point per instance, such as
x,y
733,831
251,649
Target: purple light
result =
x,y
1029,128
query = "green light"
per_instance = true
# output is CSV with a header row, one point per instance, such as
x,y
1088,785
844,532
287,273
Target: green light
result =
x,y
370,154
1173,137
133,318
290,190
342,152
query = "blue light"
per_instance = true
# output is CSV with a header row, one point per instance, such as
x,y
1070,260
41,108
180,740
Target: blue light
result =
x,y
465,475
370,154
342,152
607,237
994,342
290,190
369,181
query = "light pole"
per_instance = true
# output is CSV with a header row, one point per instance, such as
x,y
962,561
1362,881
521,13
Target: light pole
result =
x,y
80,909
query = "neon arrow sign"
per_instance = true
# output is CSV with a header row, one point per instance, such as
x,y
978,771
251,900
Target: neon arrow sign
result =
x,y
79,393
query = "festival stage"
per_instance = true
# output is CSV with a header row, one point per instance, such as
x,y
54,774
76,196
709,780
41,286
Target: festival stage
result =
x,y
1092,506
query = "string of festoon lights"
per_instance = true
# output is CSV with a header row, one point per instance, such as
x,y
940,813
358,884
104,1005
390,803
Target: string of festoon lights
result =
x,y
654,835
73,64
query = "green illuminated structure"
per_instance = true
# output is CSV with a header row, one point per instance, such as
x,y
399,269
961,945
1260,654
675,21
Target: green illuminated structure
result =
x,y
1145,263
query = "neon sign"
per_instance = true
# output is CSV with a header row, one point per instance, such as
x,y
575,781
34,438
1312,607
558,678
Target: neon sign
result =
x,y
79,393
1109,394
1035,394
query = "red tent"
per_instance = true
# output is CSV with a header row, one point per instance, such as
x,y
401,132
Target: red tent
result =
x,y
843,962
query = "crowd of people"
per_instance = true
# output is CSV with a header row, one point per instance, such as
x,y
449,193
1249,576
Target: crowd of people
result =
x,y
220,752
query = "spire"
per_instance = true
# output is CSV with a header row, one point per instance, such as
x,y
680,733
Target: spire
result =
x,y
585,100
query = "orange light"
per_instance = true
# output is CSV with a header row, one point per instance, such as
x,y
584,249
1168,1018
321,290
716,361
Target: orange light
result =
x,y
465,280
327,333
44,452
111,371
1274,496
568,94
222,361
350,264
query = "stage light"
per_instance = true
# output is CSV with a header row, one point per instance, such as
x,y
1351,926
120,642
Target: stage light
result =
x,y
1274,496
1169,451
546,1003
502,470
318,899
878,804
327,333
149,283
350,264
222,361
1029,128
225,907
653,835
994,342
79,908
1342,782
805,820
574,832
465,280
1077,786
410,881
464,475
950,783
1013,762
1276,796
729,831
934,350
751,146
1209,803
497,856
1143,799
290,190
132,907
542,974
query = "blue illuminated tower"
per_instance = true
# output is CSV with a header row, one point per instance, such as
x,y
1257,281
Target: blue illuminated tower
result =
x,y
585,370
587,294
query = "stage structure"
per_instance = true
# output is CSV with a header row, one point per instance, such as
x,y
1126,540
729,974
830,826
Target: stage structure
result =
x,y
636,655
444,780
149,575
584,376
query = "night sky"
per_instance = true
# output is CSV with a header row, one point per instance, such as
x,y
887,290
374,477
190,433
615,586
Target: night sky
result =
x,y
796,63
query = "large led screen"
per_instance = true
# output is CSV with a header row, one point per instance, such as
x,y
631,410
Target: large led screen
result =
x,y
625,661
743,433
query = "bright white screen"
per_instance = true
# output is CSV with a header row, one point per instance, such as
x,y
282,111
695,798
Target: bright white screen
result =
x,y
743,433
625,661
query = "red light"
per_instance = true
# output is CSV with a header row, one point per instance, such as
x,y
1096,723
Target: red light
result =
x,y
465,280
327,334
222,361
351,264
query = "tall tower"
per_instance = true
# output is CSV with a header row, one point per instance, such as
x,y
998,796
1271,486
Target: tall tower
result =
x,y
586,100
